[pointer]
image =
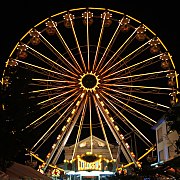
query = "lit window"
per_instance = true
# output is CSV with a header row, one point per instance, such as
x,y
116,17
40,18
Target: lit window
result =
x,y
83,144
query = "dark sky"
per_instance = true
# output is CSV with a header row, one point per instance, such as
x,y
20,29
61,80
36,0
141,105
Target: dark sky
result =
x,y
17,17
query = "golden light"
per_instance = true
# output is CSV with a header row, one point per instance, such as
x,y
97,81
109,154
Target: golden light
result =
x,y
89,81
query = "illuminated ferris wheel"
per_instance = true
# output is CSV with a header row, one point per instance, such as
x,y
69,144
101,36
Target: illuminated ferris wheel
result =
x,y
89,72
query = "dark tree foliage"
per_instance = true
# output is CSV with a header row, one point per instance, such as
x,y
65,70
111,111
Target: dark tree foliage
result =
x,y
10,145
172,117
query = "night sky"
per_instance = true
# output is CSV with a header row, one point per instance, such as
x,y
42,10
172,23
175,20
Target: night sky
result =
x,y
17,17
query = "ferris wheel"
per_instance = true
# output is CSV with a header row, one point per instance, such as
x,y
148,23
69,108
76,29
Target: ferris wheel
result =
x,y
89,72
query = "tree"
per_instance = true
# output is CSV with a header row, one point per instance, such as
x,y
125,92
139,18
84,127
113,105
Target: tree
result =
x,y
172,117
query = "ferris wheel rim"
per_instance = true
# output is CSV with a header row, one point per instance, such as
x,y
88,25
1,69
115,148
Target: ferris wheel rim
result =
x,y
83,88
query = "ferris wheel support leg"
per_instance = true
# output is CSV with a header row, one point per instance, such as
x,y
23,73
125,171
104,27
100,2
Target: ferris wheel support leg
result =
x,y
116,134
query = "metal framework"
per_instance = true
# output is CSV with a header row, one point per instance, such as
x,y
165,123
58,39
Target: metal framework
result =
x,y
89,71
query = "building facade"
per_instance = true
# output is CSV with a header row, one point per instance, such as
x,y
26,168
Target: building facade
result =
x,y
99,147
166,140
77,168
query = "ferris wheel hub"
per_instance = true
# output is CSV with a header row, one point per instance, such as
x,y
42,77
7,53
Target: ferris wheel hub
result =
x,y
89,81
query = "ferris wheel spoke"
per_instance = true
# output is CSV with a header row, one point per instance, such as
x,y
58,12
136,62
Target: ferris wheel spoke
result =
x,y
104,56
139,76
118,51
56,124
99,41
44,73
128,125
45,86
44,94
132,66
47,104
50,99
89,73
87,32
90,123
123,59
129,107
79,110
68,49
138,68
77,43
44,69
103,129
56,52
131,111
150,89
52,109
49,61
141,79
128,61
142,101
115,130
79,130
52,80
50,115
51,89
129,122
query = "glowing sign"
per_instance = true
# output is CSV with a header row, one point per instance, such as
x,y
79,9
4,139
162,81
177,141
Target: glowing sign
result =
x,y
83,165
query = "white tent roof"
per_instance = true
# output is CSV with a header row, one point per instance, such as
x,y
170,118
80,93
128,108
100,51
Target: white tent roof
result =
x,y
17,171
